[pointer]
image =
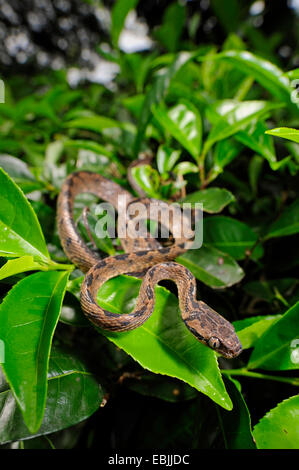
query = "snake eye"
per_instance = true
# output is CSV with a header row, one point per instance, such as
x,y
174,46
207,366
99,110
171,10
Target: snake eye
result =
x,y
214,342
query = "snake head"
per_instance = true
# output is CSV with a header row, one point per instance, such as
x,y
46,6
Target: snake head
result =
x,y
214,331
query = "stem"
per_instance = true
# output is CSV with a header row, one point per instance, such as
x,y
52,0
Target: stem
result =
x,y
280,297
249,254
59,266
257,375
244,88
201,166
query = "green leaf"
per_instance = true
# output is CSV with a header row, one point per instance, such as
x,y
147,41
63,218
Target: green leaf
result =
x,y
266,73
225,152
293,74
134,104
228,14
234,116
96,148
20,232
278,429
163,344
255,138
183,122
20,173
254,172
213,199
231,236
28,318
136,67
93,123
212,267
251,329
119,13
285,133
278,347
287,224
236,425
166,158
148,179
183,168
73,395
20,265
172,26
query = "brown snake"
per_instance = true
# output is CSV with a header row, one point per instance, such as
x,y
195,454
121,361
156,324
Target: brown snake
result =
x,y
205,324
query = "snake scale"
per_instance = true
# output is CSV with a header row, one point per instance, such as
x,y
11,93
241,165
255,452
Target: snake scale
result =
x,y
205,324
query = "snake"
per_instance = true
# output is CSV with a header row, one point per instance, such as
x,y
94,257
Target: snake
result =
x,y
142,255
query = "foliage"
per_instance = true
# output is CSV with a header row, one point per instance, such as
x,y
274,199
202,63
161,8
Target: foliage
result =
x,y
211,120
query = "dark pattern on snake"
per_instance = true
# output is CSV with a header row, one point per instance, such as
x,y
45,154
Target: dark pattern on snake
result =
x,y
204,323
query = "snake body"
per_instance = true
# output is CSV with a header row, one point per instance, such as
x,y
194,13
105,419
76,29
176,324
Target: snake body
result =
x,y
143,253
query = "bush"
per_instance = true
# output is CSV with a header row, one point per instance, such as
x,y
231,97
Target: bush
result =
x,y
220,125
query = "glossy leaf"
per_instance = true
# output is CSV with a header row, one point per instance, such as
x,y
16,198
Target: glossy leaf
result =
x,y
183,122
285,133
20,232
287,224
183,168
213,199
257,139
266,73
231,236
163,344
148,179
166,158
278,429
234,116
251,329
278,347
212,267
28,318
73,395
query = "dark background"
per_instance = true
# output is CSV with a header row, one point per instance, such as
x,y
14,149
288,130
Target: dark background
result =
x,y
41,34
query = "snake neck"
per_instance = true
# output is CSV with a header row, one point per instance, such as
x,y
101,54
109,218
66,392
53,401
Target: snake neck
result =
x,y
201,320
